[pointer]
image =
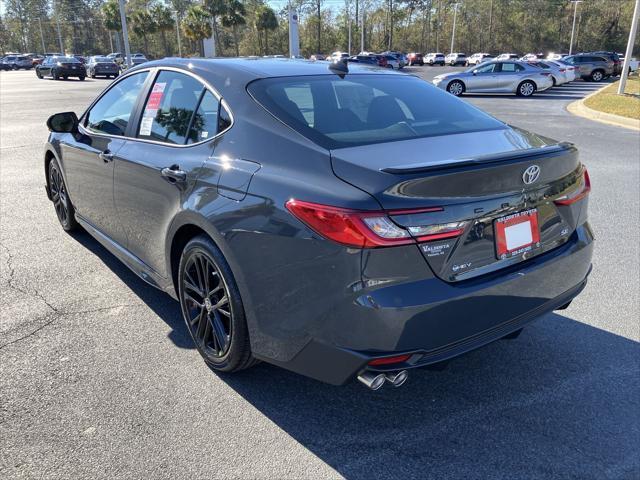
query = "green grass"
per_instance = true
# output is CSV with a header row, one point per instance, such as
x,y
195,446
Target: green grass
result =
x,y
627,105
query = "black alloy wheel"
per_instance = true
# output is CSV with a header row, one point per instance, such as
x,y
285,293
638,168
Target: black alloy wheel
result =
x,y
60,198
212,308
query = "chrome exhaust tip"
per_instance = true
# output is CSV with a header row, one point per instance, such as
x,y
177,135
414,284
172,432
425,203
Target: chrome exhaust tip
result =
x,y
397,379
372,380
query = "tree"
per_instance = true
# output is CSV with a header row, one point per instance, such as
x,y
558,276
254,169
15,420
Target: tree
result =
x,y
111,14
233,18
197,26
164,23
143,25
215,8
266,21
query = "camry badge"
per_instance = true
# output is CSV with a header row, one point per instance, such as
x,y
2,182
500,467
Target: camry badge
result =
x,y
531,174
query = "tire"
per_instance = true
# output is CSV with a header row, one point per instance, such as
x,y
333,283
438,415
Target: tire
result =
x,y
526,89
81,78
553,79
92,74
597,76
456,88
54,75
204,269
66,77
60,198
38,74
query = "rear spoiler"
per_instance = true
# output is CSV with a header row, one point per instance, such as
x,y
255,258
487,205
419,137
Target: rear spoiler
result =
x,y
531,153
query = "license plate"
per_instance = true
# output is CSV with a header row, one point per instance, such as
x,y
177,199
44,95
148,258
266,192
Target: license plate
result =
x,y
73,67
517,234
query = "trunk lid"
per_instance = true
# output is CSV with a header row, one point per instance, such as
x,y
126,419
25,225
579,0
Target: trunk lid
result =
x,y
477,178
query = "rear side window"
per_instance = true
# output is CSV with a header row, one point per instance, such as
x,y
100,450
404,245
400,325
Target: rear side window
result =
x,y
170,107
205,121
366,109
111,113
511,67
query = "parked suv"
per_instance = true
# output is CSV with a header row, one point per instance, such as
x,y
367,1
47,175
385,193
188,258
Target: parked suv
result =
x,y
435,59
16,62
454,59
591,67
615,58
415,58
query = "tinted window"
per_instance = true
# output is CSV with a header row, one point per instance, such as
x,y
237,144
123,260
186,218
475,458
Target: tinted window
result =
x,y
168,110
111,113
205,122
364,109
224,119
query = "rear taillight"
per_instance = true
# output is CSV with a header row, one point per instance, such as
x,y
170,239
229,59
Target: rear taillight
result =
x,y
545,74
562,70
369,229
578,194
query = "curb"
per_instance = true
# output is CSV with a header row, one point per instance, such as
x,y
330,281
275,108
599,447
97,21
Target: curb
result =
x,y
581,110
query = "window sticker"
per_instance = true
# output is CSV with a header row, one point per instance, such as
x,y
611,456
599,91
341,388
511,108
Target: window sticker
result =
x,y
145,125
155,98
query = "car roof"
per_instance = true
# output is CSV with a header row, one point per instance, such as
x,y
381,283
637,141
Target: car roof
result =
x,y
248,69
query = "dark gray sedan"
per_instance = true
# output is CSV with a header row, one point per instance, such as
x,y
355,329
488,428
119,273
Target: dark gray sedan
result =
x,y
317,217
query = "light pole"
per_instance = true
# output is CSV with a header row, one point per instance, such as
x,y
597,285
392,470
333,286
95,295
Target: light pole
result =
x,y
453,32
627,54
573,28
178,34
125,33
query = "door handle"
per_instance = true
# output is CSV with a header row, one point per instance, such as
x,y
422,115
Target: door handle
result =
x,y
173,174
106,156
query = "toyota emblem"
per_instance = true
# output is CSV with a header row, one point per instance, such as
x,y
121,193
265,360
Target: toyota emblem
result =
x,y
531,174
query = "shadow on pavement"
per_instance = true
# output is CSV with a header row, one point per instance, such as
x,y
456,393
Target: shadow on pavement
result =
x,y
162,304
560,401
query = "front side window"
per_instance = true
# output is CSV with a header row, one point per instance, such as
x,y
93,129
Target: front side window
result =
x,y
170,107
112,112
366,109
511,68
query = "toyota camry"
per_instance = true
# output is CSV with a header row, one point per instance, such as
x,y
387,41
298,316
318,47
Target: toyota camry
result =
x,y
316,217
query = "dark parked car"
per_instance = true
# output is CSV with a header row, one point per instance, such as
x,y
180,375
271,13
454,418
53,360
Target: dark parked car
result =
x,y
80,58
99,66
415,58
316,246
378,60
61,68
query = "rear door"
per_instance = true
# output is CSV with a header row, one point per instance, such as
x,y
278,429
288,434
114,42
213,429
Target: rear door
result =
x,y
507,76
155,171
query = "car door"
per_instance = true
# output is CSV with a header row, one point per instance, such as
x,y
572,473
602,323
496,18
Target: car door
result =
x,y
89,157
155,171
45,67
507,76
483,78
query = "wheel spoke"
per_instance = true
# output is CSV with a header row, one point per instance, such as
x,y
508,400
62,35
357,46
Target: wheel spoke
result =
x,y
219,331
193,300
189,285
223,301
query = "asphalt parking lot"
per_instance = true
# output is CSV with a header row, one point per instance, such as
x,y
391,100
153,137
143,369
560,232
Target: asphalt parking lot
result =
x,y
99,379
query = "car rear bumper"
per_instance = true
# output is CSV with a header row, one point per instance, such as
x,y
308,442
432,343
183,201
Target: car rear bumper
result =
x,y
70,72
434,321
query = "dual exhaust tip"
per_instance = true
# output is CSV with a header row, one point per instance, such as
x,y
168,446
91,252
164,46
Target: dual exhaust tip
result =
x,y
375,381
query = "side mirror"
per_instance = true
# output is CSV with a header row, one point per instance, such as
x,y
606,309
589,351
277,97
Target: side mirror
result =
x,y
65,122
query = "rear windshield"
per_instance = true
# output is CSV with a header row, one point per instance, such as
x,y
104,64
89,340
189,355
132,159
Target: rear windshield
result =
x,y
366,109
67,60
102,59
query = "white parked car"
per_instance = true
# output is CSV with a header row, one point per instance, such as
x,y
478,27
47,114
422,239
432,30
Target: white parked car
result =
x,y
633,63
556,56
569,70
508,56
558,74
478,58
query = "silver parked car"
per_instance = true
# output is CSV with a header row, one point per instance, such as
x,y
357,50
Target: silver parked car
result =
x,y
520,78
591,67
558,74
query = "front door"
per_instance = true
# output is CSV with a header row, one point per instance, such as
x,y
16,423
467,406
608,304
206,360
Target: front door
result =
x,y
89,156
155,172
484,79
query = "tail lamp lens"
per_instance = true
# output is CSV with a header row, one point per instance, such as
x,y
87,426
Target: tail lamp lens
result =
x,y
579,193
367,229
